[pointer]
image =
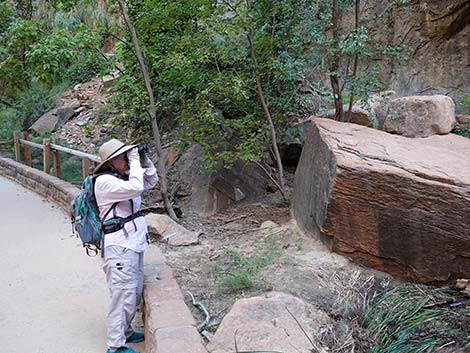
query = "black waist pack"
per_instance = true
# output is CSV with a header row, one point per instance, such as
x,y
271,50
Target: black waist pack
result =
x,y
117,223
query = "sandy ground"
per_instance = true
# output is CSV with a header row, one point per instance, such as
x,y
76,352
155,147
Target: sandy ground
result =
x,y
215,270
53,297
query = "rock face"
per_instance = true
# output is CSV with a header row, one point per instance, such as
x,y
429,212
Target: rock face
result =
x,y
438,33
392,203
264,324
420,116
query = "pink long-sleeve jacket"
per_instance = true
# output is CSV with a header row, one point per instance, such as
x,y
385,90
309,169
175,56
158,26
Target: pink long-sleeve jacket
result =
x,y
110,189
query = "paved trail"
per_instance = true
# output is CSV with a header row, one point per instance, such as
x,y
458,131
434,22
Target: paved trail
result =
x,y
53,297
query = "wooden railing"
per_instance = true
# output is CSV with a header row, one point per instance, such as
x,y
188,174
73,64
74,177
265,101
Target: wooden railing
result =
x,y
49,150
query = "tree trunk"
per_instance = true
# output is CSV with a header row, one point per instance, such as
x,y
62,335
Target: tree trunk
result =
x,y
277,155
356,59
334,67
152,112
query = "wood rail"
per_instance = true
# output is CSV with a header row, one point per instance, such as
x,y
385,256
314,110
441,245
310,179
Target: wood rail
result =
x,y
49,148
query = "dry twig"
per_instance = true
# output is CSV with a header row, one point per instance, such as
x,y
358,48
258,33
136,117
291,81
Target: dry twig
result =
x,y
201,325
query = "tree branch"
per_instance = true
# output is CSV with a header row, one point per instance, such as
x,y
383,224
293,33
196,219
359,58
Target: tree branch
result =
x,y
152,111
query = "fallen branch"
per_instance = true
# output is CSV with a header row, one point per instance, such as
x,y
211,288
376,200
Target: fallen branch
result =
x,y
235,219
440,303
174,191
201,325
160,209
271,177
170,144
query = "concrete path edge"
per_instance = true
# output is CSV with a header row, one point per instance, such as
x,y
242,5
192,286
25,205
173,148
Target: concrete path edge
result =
x,y
169,324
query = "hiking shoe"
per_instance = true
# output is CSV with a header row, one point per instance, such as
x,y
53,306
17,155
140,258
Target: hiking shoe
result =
x,y
136,337
122,350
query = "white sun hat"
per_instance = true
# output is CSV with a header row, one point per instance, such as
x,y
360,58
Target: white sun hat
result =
x,y
111,149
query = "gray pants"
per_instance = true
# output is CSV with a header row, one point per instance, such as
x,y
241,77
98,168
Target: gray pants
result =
x,y
124,270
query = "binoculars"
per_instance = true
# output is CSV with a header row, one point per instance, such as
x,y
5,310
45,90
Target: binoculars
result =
x,y
143,150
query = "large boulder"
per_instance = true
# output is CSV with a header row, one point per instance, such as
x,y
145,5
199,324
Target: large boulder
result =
x,y
52,120
359,115
390,202
267,324
420,116
210,192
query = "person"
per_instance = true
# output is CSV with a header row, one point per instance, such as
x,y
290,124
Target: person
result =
x,y
123,176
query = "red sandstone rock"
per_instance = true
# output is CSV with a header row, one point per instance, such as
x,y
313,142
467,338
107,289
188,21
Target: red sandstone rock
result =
x,y
169,230
264,324
393,203
171,155
359,116
463,119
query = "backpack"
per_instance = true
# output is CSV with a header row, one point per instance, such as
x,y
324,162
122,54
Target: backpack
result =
x,y
85,216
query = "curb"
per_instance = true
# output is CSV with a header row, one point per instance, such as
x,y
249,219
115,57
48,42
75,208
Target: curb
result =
x,y
169,325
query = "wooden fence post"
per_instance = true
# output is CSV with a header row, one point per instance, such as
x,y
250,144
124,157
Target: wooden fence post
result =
x,y
85,167
27,150
56,162
47,156
16,141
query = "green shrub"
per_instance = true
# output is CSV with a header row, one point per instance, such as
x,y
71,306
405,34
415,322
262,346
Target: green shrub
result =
x,y
9,122
464,102
6,16
37,100
86,70
462,130
411,318
70,168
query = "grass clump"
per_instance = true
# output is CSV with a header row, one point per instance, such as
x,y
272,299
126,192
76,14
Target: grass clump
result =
x,y
243,272
411,318
464,103
9,122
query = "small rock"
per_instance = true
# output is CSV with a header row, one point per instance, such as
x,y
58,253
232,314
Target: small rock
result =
x,y
80,122
268,224
239,195
271,187
79,109
461,283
